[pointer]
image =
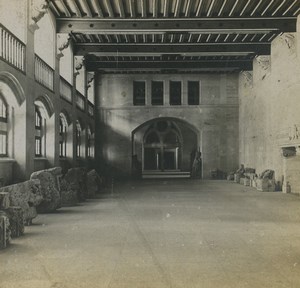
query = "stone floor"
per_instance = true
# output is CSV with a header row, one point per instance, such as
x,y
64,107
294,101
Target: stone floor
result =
x,y
179,233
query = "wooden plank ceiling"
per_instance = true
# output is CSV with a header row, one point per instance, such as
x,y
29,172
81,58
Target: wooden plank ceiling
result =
x,y
186,36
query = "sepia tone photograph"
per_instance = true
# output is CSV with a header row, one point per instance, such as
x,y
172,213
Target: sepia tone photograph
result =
x,y
149,143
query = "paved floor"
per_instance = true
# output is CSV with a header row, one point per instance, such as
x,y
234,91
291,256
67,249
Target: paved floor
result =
x,y
179,233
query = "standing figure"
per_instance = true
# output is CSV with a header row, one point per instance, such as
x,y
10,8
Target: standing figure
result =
x,y
196,167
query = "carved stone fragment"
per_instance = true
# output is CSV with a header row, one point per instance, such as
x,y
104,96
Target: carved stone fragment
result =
x,y
16,220
26,195
51,196
4,230
93,183
73,186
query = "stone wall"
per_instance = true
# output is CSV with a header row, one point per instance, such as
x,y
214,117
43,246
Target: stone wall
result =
x,y
215,119
269,106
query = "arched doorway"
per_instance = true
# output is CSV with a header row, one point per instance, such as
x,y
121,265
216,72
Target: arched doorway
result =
x,y
162,147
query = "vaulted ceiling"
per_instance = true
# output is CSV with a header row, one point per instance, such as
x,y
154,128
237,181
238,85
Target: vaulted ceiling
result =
x,y
185,36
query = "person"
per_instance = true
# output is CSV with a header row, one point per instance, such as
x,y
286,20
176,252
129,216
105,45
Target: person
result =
x,y
196,167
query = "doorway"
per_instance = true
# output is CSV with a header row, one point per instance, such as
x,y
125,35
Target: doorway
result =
x,y
162,147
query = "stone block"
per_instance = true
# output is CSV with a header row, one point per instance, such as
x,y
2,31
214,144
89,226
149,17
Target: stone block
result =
x,y
253,183
4,230
68,193
4,200
93,183
237,177
265,181
242,181
16,220
26,195
51,196
265,185
246,181
73,186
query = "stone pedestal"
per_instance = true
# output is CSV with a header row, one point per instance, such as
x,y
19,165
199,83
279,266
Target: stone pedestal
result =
x,y
265,185
291,170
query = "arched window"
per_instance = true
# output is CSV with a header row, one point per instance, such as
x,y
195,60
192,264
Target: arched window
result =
x,y
162,147
90,143
3,129
78,139
63,126
152,138
39,127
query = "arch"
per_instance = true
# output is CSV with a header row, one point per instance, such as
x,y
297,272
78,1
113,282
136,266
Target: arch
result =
x,y
151,137
63,120
177,140
149,122
14,85
65,116
46,103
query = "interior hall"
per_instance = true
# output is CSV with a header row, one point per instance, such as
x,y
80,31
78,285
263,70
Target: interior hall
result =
x,y
149,143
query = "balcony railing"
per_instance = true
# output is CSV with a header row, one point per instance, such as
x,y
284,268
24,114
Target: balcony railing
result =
x,y
90,108
44,74
80,101
12,49
65,90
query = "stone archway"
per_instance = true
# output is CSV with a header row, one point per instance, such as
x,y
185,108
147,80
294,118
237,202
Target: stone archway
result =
x,y
164,145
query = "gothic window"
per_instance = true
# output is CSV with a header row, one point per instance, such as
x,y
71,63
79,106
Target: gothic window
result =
x,y
38,132
152,138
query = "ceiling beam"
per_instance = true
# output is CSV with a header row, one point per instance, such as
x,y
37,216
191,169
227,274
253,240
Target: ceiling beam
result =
x,y
184,64
181,25
160,48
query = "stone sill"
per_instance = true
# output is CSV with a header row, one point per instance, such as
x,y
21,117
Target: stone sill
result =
x,y
7,160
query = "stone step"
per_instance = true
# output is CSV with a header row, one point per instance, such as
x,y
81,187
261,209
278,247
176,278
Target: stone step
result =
x,y
165,174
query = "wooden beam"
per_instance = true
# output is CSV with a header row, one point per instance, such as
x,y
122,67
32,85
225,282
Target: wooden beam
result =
x,y
161,64
160,48
179,25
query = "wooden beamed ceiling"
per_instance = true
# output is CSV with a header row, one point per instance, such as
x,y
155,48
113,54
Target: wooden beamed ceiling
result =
x,y
173,35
